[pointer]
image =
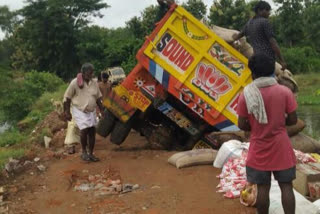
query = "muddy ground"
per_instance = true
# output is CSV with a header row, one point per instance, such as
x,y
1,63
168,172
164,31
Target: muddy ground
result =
x,y
163,189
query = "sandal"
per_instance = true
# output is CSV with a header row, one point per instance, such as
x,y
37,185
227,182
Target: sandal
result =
x,y
85,157
93,158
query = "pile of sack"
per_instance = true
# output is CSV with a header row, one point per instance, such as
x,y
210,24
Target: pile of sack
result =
x,y
283,77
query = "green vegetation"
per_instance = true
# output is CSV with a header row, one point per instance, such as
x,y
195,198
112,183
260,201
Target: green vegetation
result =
x,y
308,89
19,96
47,39
196,7
11,137
302,59
5,154
28,97
231,14
310,114
41,108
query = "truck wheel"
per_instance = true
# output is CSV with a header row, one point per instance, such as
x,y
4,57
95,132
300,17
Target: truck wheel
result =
x,y
106,124
120,132
161,138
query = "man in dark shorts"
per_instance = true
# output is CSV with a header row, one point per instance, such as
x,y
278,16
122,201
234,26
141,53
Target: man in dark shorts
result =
x,y
259,34
265,108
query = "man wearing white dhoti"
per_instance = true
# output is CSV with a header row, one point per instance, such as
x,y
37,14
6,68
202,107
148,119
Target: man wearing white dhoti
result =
x,y
84,95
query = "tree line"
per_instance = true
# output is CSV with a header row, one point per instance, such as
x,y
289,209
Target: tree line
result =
x,y
55,35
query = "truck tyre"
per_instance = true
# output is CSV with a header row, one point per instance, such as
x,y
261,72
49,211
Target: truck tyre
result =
x,y
120,132
161,138
106,124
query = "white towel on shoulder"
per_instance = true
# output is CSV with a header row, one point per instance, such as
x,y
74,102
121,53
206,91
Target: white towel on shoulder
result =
x,y
254,100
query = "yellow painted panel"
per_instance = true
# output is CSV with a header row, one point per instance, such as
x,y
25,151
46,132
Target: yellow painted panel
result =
x,y
134,98
200,60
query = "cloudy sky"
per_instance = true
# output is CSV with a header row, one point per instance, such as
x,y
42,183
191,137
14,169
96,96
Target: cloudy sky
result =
x,y
115,16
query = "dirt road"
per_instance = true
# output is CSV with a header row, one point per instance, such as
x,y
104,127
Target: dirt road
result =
x,y
163,189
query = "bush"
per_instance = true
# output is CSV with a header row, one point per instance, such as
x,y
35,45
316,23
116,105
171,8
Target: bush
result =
x,y
36,83
302,59
309,90
41,108
19,95
11,137
16,103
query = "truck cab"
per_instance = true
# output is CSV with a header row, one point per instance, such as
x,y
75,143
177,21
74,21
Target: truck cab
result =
x,y
116,75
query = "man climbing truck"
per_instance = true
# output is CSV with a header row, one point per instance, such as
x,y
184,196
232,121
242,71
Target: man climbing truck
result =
x,y
186,84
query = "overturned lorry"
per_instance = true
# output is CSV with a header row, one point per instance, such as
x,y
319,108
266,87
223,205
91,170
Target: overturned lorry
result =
x,y
185,86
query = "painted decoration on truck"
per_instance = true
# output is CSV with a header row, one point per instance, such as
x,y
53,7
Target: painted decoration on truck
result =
x,y
174,53
185,94
139,82
161,75
226,126
139,100
194,102
229,61
211,81
187,97
232,107
178,118
150,89
118,103
190,34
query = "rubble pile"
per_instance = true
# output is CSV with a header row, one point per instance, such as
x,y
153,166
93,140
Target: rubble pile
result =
x,y
106,183
3,205
16,166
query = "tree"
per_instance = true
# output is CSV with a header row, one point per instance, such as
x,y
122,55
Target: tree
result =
x,y
149,18
48,35
135,26
289,22
231,14
311,19
6,50
196,7
92,45
142,26
108,47
7,19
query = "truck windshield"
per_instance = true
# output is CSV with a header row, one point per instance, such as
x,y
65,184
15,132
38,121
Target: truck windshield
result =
x,y
117,72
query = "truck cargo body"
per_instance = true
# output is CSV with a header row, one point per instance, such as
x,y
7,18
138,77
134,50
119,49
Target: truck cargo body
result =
x,y
186,84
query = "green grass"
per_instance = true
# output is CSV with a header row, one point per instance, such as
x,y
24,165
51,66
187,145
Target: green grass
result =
x,y
309,88
11,137
6,153
310,114
42,107
12,141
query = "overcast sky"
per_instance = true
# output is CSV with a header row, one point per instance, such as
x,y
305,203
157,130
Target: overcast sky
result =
x,y
115,16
